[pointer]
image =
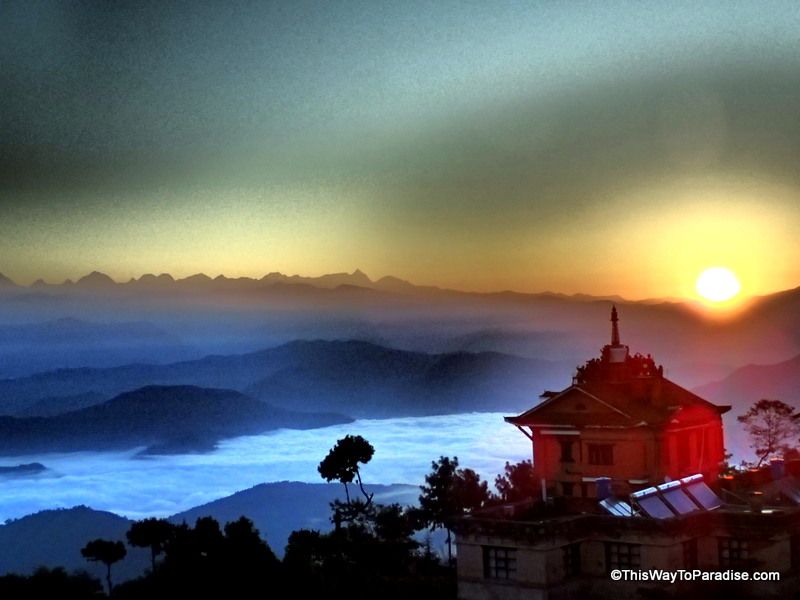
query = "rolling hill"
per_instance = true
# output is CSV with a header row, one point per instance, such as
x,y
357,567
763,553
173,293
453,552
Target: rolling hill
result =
x,y
54,537
744,387
166,419
279,508
355,378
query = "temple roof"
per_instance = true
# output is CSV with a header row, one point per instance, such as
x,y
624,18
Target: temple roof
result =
x,y
619,390
659,402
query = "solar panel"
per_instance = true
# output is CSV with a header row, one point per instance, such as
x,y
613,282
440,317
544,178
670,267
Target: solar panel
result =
x,y
651,504
675,497
698,491
616,507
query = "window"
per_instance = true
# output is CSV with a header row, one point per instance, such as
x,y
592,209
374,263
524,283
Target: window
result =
x,y
622,556
601,454
690,554
732,551
567,488
499,563
572,560
566,452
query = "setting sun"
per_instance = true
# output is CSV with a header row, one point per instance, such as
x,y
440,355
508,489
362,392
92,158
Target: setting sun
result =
x,y
718,284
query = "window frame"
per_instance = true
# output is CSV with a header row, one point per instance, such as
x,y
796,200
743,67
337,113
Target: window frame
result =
x,y
499,563
621,555
732,551
568,456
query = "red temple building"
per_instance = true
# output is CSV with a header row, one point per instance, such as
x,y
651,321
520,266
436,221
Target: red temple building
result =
x,y
622,422
621,418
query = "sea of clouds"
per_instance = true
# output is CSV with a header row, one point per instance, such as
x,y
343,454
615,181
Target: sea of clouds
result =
x,y
146,486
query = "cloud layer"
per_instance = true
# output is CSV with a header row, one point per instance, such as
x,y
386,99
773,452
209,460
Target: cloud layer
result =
x,y
164,485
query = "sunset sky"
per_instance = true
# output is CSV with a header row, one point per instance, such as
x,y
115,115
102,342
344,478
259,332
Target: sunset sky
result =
x,y
596,147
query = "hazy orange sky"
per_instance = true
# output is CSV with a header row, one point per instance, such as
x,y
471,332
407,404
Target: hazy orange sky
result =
x,y
612,148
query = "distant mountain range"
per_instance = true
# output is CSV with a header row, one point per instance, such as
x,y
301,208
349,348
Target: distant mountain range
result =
x,y
69,342
166,419
744,387
100,281
201,315
355,378
750,383
55,537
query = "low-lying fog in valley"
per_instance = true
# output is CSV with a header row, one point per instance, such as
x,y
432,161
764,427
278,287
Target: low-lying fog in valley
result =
x,y
158,486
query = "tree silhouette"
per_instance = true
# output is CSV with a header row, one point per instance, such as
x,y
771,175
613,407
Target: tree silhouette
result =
x,y
150,533
207,537
245,548
516,483
106,552
770,425
342,462
450,492
394,523
51,583
304,550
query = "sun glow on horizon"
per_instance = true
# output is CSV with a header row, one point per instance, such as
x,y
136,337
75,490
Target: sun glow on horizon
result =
x,y
718,284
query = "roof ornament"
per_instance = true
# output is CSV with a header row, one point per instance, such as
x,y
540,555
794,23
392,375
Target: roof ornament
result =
x,y
614,326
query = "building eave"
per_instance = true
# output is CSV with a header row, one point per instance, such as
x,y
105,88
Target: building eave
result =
x,y
521,419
